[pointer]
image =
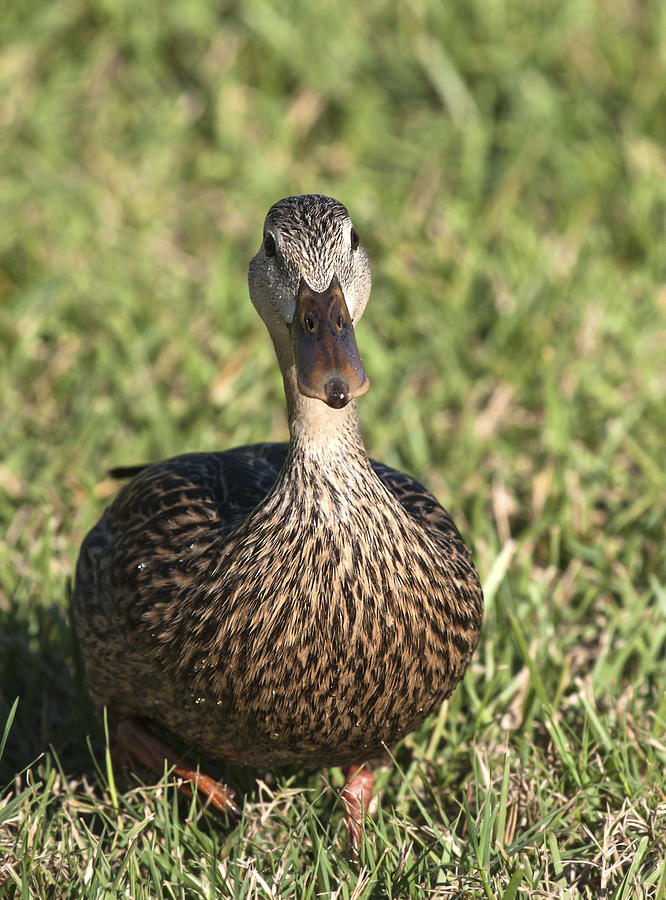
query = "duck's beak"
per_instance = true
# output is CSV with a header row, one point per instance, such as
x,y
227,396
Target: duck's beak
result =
x,y
327,360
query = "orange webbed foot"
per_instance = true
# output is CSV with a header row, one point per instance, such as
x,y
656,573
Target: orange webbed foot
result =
x,y
356,797
135,742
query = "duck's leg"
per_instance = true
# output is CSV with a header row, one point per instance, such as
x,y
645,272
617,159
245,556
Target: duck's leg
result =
x,y
356,797
136,742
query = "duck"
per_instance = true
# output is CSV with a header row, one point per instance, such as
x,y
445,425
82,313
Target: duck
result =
x,y
280,604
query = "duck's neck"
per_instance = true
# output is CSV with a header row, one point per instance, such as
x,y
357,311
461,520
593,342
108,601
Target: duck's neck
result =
x,y
322,437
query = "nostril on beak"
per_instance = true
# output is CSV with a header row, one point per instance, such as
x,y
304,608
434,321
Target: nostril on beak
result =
x,y
337,392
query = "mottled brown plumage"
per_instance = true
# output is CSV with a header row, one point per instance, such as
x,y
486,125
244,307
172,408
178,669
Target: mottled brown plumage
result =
x,y
283,604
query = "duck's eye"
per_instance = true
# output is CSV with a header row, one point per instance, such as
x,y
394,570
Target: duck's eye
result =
x,y
354,238
269,245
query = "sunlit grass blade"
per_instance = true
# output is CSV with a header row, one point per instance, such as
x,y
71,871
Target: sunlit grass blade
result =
x,y
8,725
108,763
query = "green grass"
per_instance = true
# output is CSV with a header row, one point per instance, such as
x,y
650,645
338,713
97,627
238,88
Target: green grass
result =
x,y
504,164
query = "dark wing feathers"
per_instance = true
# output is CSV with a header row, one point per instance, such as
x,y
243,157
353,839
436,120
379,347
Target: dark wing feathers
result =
x,y
418,501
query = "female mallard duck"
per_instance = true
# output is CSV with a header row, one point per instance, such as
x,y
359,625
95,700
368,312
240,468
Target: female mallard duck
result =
x,y
281,603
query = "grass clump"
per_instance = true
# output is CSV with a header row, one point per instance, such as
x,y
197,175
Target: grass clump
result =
x,y
504,166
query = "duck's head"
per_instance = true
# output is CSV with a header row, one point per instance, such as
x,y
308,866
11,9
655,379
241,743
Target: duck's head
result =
x,y
310,282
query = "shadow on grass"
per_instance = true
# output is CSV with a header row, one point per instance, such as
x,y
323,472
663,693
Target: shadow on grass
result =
x,y
40,663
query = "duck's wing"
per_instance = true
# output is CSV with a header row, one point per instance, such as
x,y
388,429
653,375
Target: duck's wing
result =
x,y
252,468
165,517
151,543
218,486
422,505
466,609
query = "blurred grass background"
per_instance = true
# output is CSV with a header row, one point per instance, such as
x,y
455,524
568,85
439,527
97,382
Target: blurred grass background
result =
x,y
505,165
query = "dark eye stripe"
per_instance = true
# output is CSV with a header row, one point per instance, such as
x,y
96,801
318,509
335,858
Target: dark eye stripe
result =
x,y
354,238
269,245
